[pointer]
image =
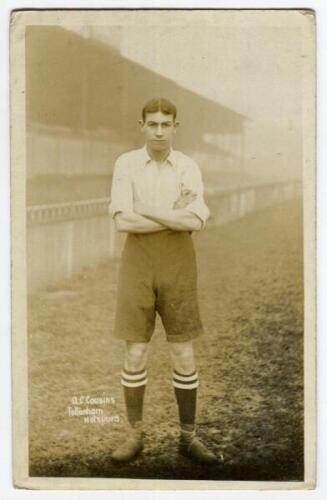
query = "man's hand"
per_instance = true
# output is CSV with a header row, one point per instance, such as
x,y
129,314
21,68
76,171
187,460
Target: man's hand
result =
x,y
185,198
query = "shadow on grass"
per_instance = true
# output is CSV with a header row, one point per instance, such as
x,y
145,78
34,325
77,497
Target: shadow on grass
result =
x,y
280,467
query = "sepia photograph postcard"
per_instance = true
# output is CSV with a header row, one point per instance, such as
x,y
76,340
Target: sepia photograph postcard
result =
x,y
163,173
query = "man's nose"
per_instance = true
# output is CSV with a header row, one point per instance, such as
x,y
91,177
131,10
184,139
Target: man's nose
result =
x,y
159,131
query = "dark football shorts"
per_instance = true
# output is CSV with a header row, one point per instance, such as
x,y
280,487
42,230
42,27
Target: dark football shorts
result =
x,y
158,274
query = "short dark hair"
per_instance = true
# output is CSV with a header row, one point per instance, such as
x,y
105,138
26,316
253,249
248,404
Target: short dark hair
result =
x,y
159,104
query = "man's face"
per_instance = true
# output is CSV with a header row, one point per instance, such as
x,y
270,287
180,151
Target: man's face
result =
x,y
158,130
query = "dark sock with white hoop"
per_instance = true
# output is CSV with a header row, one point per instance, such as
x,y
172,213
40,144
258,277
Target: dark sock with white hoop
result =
x,y
134,387
185,387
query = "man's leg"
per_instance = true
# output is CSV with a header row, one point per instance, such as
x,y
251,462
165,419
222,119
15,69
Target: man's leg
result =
x,y
185,382
133,379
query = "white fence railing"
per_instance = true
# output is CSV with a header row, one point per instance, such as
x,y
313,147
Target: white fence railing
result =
x,y
44,214
65,237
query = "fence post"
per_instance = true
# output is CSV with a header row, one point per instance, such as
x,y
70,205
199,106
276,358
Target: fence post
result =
x,y
112,237
69,249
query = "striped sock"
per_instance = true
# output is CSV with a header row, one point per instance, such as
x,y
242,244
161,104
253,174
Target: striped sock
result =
x,y
185,387
134,388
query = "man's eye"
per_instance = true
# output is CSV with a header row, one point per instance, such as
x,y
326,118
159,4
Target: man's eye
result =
x,y
163,125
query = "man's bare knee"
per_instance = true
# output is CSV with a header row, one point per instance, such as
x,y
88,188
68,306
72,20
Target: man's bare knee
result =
x,y
136,355
182,356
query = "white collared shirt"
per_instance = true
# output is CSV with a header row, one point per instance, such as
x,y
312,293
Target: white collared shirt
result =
x,y
137,177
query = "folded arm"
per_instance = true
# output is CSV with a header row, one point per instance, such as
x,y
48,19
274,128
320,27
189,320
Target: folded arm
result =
x,y
132,222
179,219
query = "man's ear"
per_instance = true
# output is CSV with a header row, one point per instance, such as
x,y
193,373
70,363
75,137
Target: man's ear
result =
x,y
141,123
176,124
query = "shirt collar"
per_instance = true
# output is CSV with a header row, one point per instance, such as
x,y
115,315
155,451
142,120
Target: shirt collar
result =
x,y
171,158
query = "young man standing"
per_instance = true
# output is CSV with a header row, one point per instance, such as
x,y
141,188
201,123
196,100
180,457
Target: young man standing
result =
x,y
157,198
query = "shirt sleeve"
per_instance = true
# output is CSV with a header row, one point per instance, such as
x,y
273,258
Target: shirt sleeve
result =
x,y
192,179
121,189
